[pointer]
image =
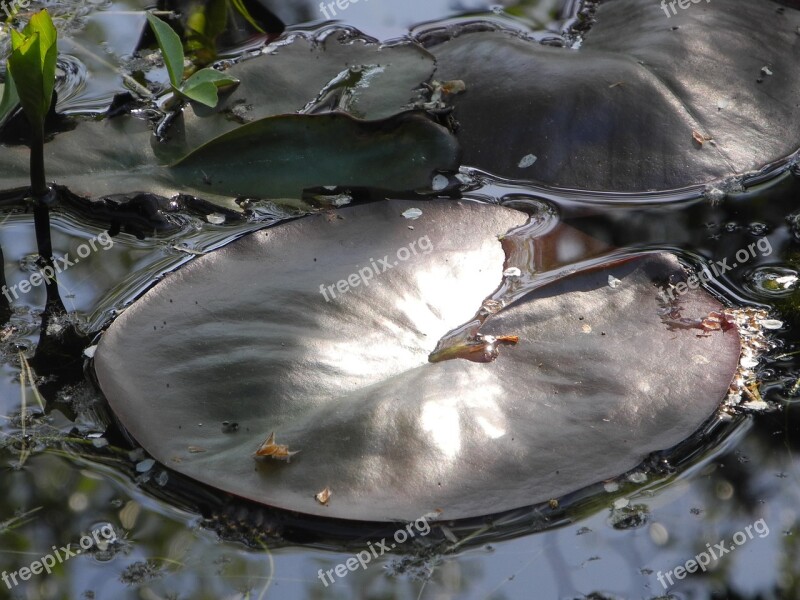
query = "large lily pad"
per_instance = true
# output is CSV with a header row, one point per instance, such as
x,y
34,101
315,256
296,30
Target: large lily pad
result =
x,y
597,381
620,112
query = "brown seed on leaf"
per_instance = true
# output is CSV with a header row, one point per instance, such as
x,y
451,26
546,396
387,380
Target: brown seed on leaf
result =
x,y
699,137
324,496
276,451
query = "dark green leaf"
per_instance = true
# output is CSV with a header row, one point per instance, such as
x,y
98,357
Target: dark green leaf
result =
x,y
171,49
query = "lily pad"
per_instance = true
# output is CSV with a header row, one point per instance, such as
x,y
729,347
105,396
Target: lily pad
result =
x,y
646,102
276,157
312,76
284,333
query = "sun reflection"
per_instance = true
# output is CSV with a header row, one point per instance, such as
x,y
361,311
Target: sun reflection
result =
x,y
472,414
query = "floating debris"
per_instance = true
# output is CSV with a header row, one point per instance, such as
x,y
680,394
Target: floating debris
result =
x,y
766,70
276,451
324,496
743,391
512,272
613,282
216,218
89,352
412,213
700,138
527,161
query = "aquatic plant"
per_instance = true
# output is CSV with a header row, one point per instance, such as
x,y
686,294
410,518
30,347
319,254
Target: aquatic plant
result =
x,y
32,67
202,85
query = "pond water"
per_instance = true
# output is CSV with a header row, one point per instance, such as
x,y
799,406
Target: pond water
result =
x,y
70,470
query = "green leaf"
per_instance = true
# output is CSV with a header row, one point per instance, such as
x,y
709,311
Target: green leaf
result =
x,y
218,78
32,65
204,92
202,86
24,65
42,24
171,49
10,100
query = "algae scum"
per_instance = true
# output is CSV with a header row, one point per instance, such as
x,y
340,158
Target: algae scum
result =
x,y
432,301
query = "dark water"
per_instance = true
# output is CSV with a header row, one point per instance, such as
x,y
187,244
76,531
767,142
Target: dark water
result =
x,y
70,470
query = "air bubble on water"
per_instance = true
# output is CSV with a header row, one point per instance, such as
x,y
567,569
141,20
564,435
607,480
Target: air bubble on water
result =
x,y
771,324
714,194
637,477
439,183
145,465
758,229
773,281
611,486
748,362
162,478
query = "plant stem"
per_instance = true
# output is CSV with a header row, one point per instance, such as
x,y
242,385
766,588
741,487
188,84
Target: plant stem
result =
x,y
38,181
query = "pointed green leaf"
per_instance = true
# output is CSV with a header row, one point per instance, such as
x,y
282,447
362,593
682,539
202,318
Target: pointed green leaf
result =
x,y
218,78
202,86
24,65
42,24
171,49
203,92
32,65
17,39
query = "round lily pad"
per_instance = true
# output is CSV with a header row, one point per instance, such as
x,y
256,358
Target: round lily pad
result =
x,y
644,101
317,334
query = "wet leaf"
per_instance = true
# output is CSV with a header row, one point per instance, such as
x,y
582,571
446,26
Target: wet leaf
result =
x,y
171,49
590,133
346,376
32,65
